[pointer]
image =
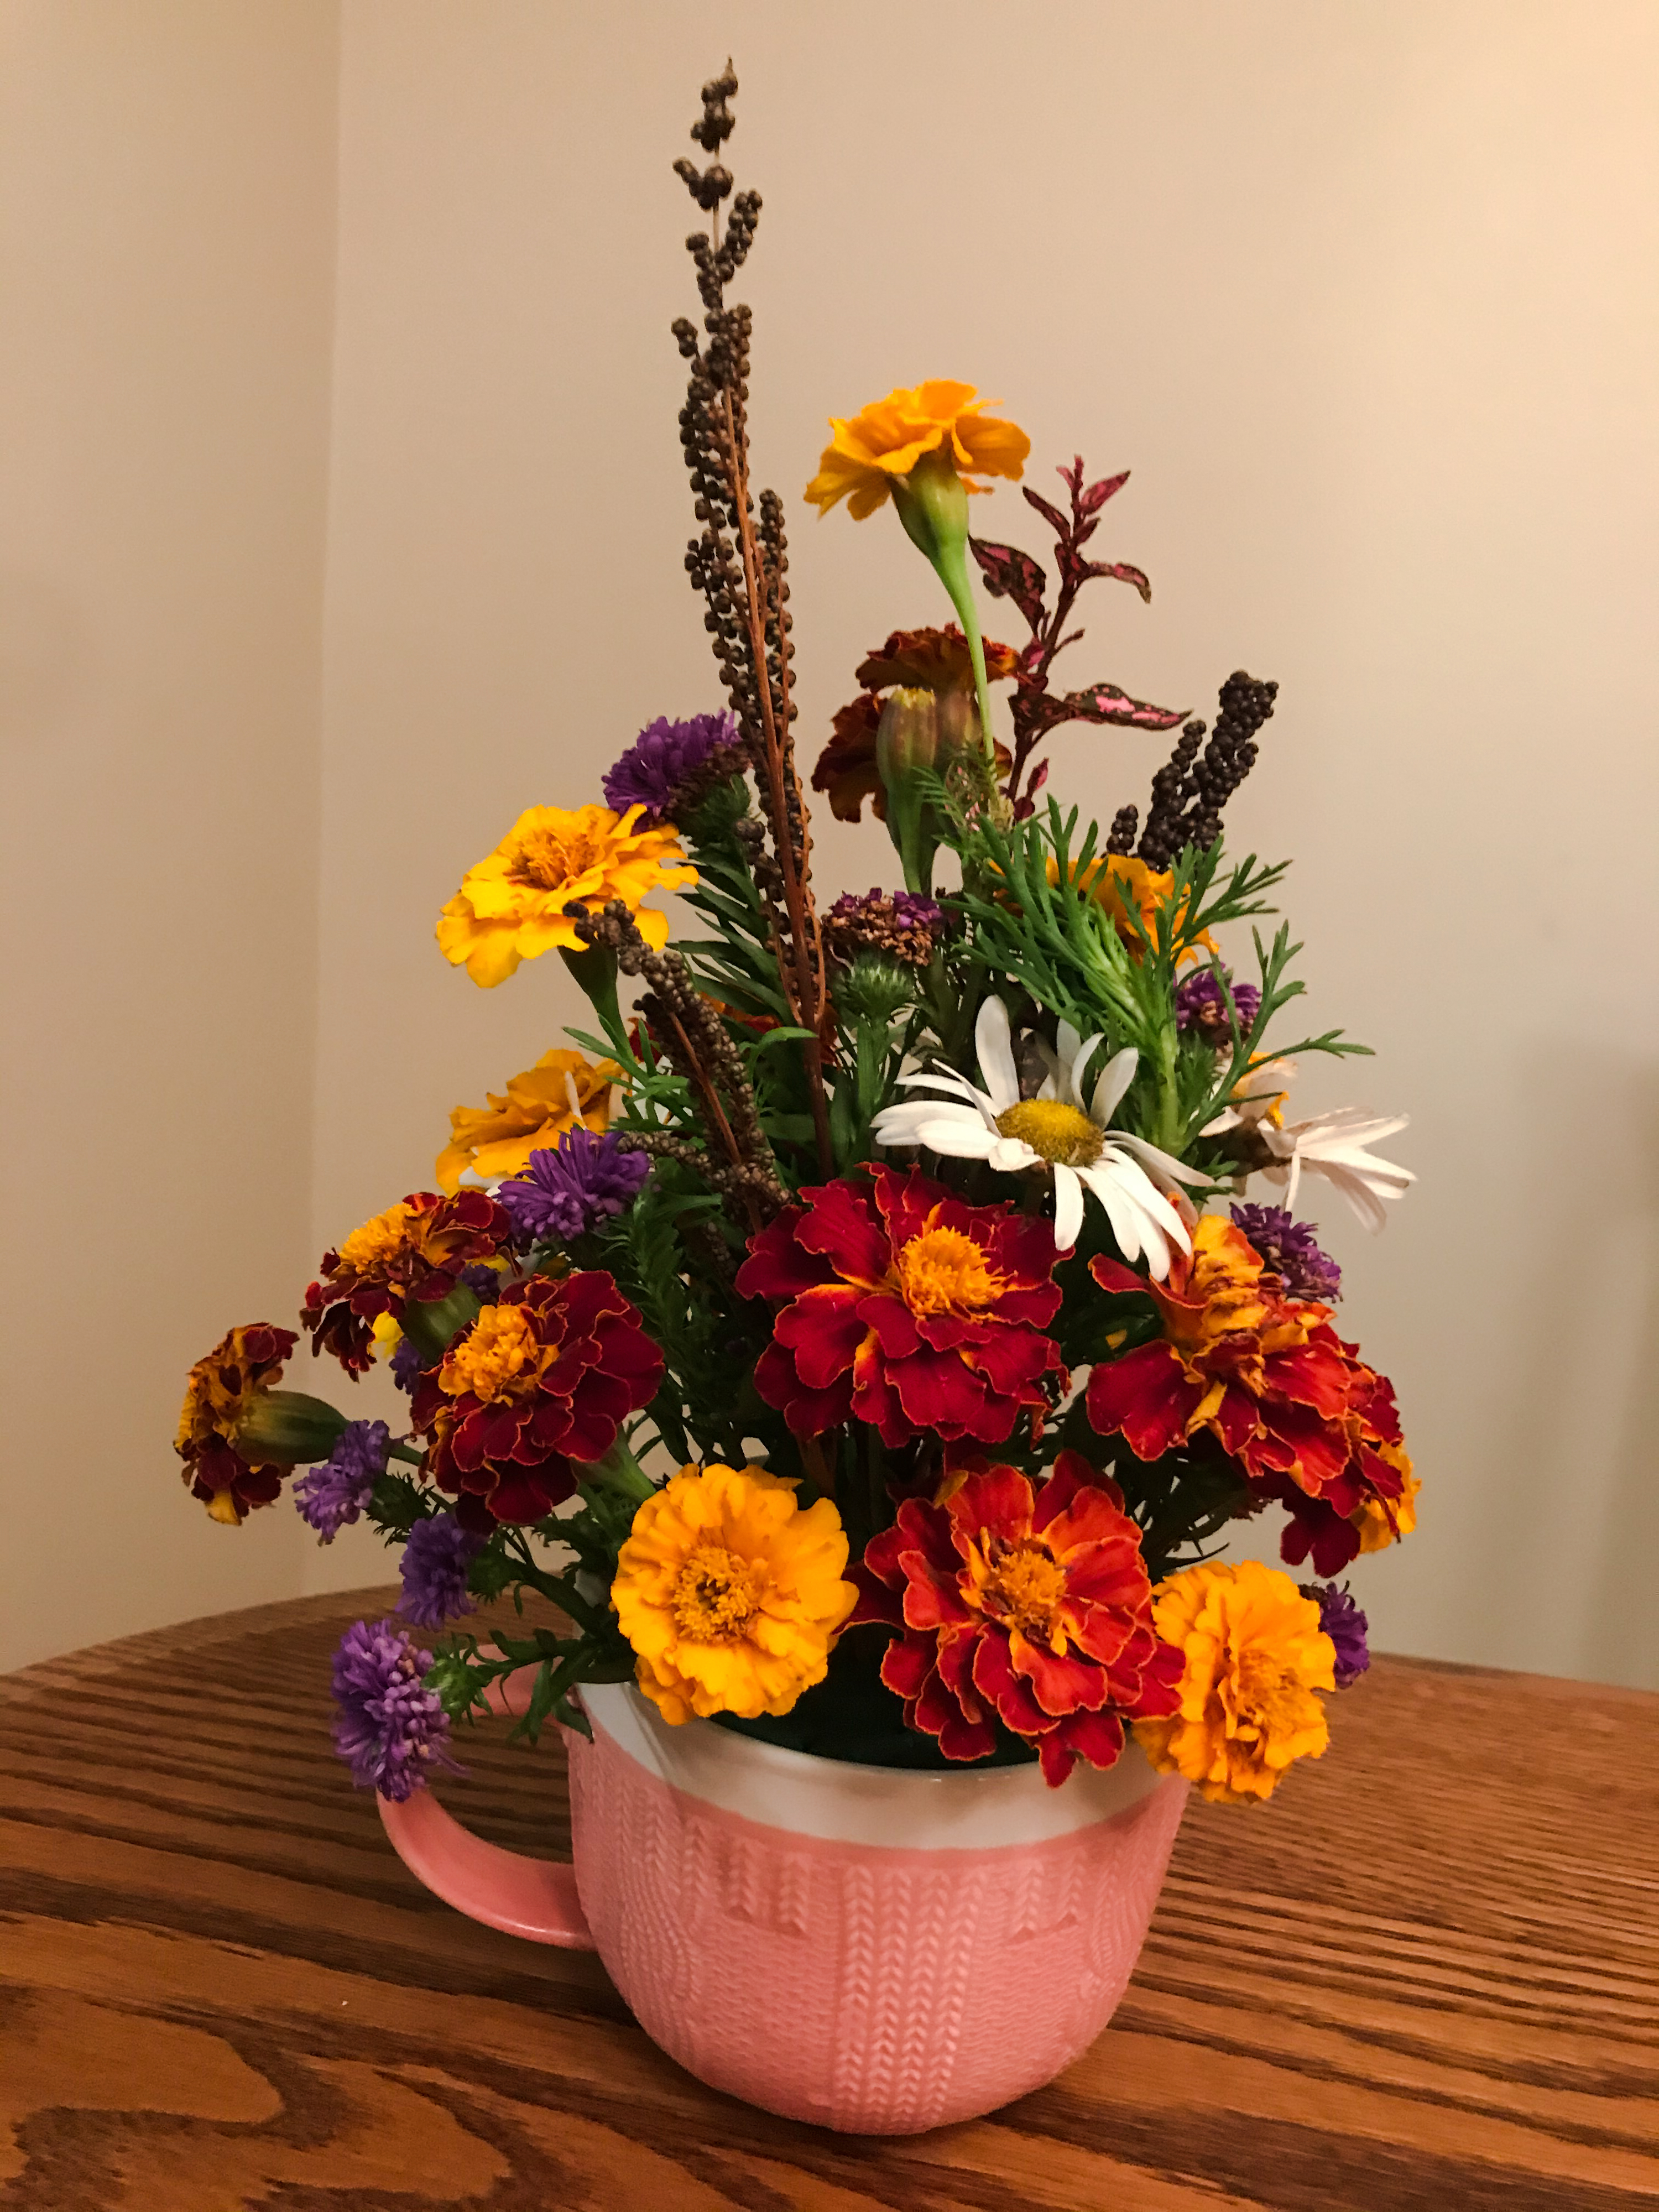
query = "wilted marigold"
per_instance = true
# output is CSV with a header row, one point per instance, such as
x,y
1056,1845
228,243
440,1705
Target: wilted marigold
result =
x,y
731,1594
1254,1655
564,1090
512,906
415,1249
1269,1379
244,1364
886,440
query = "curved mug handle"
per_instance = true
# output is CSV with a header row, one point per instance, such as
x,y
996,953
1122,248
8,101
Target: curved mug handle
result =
x,y
533,1898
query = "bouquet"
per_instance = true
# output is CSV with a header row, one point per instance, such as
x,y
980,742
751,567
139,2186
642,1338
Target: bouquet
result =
x,y
863,1335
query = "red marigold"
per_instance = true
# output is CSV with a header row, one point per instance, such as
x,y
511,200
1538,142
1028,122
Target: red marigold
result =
x,y
907,1309
1033,1605
542,1380
414,1250
932,661
1269,1378
244,1361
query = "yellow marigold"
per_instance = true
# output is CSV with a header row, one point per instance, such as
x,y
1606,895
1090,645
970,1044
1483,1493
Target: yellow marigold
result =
x,y
1376,1531
889,437
512,906
1255,1655
1119,882
563,1089
730,1594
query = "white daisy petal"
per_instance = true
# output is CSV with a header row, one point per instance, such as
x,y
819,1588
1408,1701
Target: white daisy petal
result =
x,y
1150,1156
901,1124
994,1042
1069,1207
959,1139
1123,1216
1115,1077
1066,1043
1081,1058
1010,1154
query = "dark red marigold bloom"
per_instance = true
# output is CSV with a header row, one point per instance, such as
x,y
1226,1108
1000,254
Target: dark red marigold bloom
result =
x,y
908,1309
1032,1605
221,1390
1270,1380
537,1387
415,1249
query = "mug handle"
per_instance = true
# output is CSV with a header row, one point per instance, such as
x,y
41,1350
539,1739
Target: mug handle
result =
x,y
533,1898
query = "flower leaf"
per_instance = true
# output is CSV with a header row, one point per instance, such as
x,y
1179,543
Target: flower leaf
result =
x,y
1051,514
1096,497
1010,574
1103,702
1122,572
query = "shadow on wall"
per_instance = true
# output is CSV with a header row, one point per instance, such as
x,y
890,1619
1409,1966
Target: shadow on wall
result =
x,y
1583,1330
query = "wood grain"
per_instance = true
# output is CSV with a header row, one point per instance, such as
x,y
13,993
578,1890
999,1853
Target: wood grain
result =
x,y
1426,1977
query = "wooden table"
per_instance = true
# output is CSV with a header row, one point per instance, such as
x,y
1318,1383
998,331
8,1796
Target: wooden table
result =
x,y
1427,1977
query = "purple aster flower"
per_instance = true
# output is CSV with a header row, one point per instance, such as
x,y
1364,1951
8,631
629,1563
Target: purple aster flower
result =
x,y
568,1190
1291,1249
484,1283
336,1493
1201,1005
406,1365
1344,1623
392,1731
664,757
436,1557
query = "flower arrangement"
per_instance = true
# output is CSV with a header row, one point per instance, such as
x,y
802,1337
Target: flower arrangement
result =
x,y
865,1340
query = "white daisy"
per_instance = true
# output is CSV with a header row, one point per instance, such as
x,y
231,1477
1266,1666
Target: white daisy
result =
x,y
1334,1146
1054,1130
1329,1144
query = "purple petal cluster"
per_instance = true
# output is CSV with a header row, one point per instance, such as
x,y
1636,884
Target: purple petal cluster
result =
x,y
1201,1004
406,1365
484,1283
334,1494
665,756
1346,1625
392,1731
570,1187
437,1555
1291,1249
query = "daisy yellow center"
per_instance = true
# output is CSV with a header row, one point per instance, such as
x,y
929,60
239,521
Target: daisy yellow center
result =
x,y
716,1595
501,1357
1054,1131
379,1241
1024,1585
1269,1696
541,857
943,1270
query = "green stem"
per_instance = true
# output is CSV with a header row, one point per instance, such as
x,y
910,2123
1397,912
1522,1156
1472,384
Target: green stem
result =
x,y
951,563
412,1453
621,1473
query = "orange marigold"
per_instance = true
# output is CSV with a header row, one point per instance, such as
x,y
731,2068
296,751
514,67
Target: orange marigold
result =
x,y
1253,1654
886,440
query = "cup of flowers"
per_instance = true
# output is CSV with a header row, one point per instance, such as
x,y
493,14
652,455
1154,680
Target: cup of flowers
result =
x,y
870,1330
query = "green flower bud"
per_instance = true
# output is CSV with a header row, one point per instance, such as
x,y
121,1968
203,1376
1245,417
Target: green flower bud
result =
x,y
286,1428
432,1325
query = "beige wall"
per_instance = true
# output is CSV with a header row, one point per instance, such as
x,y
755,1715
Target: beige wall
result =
x,y
1367,299
167,171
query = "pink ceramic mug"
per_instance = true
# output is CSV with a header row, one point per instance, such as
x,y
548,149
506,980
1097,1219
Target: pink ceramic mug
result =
x,y
869,1948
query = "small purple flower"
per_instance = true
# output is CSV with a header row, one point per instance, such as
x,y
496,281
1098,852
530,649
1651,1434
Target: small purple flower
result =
x,y
484,1283
1344,1623
334,1494
1201,1005
406,1365
392,1731
436,1557
569,1189
665,756
1291,1249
